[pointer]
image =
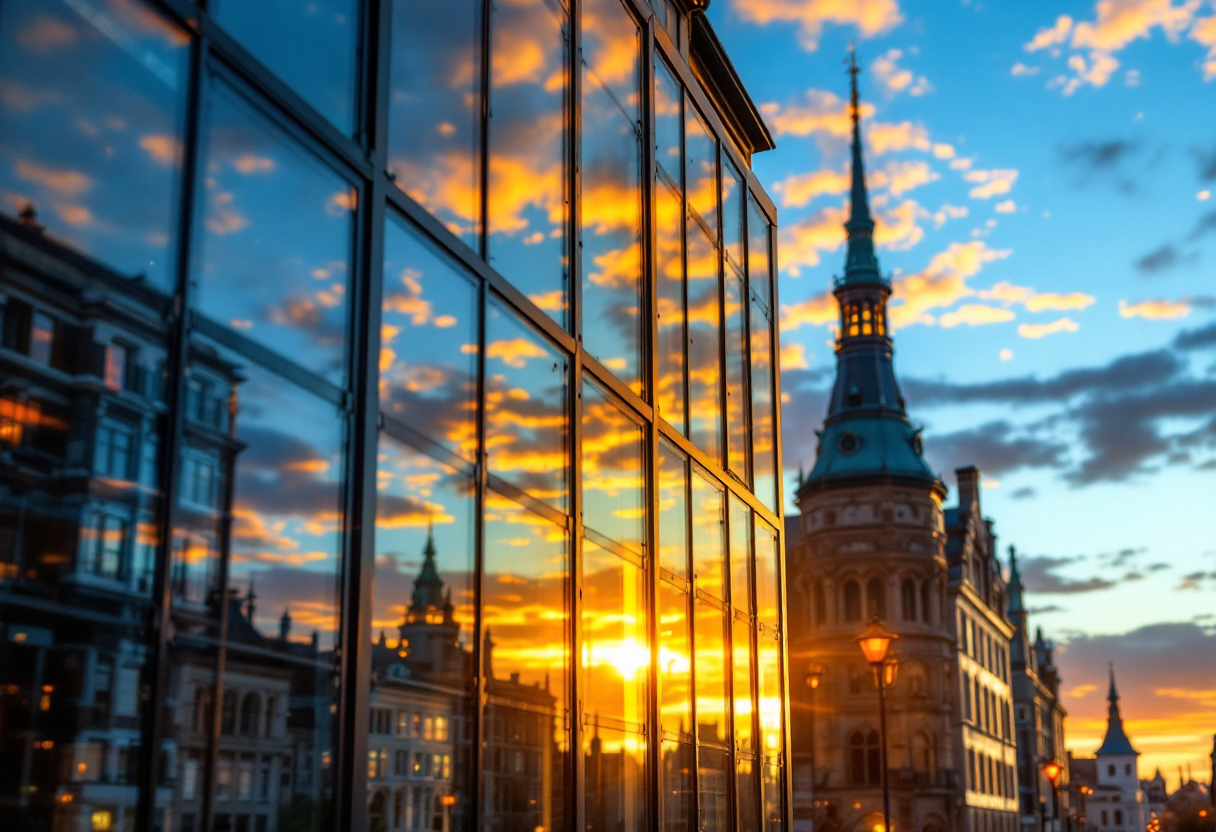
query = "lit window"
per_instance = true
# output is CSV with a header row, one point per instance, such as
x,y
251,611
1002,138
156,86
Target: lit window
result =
x,y
116,366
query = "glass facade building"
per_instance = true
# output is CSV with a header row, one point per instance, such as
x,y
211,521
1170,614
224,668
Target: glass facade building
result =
x,y
388,420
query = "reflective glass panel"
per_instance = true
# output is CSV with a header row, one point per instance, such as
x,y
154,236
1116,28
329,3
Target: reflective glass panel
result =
x,y
772,798
768,608
526,406
673,510
758,252
714,790
310,45
423,626
277,618
769,654
90,128
527,163
434,118
614,771
764,460
611,232
613,485
740,555
704,344
679,799
668,98
81,423
735,312
712,669
616,651
428,342
741,653
732,215
277,227
672,393
526,658
701,168
675,665
610,49
708,536
747,788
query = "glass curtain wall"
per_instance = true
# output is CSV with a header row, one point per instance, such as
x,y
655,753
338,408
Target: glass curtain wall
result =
x,y
387,423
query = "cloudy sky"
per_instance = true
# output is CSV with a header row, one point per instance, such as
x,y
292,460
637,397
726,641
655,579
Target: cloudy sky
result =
x,y
1044,177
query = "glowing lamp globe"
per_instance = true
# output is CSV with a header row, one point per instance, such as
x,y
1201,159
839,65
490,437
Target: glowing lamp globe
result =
x,y
875,640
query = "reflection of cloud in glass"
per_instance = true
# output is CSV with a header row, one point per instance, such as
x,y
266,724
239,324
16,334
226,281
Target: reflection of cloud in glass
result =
x,y
92,141
274,258
612,443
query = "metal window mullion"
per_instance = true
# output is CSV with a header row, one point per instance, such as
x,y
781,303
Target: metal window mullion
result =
x,y
154,724
691,606
479,686
576,596
574,222
484,138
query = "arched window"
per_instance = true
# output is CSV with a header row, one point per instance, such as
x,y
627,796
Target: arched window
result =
x,y
875,599
907,599
867,320
966,696
852,601
819,603
251,705
924,756
865,765
925,607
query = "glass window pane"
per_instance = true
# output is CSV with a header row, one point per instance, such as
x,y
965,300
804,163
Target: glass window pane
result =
x,y
434,118
422,620
679,800
90,129
428,342
613,485
611,231
310,45
741,650
281,483
764,451
768,608
747,788
735,312
614,765
704,344
740,555
675,664
672,393
701,168
714,790
772,798
526,434
276,239
610,49
673,510
769,653
668,98
527,145
732,214
711,673
708,536
758,252
526,660
616,651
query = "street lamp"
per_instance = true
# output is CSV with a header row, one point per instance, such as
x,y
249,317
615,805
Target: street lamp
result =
x,y
1051,770
447,802
875,642
1083,792
814,678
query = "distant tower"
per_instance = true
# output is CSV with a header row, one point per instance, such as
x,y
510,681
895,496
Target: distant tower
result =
x,y
1117,759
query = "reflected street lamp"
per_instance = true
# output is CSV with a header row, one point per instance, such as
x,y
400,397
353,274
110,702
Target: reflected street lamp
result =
x,y
1083,792
1051,770
875,643
814,678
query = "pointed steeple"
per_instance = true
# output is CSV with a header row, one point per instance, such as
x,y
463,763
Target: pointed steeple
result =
x,y
1016,605
861,263
428,586
1115,742
867,435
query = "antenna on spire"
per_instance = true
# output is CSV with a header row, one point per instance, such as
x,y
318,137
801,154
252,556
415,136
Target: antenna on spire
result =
x,y
854,69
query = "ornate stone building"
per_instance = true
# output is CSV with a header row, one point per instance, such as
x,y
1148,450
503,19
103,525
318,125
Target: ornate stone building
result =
x,y
873,539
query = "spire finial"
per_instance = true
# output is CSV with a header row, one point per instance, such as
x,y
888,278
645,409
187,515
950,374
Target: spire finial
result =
x,y
854,71
1113,695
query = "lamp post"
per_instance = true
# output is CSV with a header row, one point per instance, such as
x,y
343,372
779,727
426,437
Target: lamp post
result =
x,y
875,642
447,801
1083,792
814,677
1051,770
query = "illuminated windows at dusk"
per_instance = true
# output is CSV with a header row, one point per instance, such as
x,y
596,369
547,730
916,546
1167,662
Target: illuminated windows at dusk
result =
x,y
391,420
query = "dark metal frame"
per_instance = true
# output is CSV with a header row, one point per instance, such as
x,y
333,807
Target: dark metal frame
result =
x,y
360,158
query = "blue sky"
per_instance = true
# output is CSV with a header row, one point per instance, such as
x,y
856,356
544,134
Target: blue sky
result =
x,y
1046,178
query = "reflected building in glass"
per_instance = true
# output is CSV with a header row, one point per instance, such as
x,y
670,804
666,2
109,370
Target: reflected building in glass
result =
x,y
388,429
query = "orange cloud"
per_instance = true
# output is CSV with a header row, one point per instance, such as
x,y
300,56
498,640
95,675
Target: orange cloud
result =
x,y
45,34
794,357
1006,207
897,227
820,112
1036,331
817,310
870,17
1155,310
900,177
515,352
949,212
799,189
802,240
895,78
886,138
164,150
975,314
66,183
1008,293
942,283
990,183
250,163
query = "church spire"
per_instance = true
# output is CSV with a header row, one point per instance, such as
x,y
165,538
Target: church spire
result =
x,y
861,263
1016,604
1115,742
